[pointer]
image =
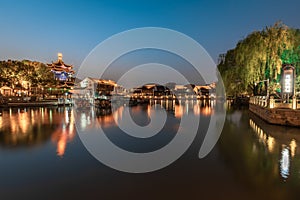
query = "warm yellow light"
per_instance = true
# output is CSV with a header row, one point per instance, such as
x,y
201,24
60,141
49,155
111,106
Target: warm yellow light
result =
x,y
293,146
59,55
271,143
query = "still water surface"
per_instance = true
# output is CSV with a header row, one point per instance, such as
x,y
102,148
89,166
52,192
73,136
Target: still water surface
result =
x,y
42,157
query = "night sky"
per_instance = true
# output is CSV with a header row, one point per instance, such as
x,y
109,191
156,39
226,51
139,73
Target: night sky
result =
x,y
38,30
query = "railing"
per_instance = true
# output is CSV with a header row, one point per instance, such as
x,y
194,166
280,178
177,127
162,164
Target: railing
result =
x,y
271,102
259,100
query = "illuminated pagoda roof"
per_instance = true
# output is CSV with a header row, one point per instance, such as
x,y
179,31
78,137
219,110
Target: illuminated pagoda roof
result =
x,y
60,66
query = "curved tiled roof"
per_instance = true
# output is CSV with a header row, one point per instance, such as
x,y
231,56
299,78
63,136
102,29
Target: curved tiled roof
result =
x,y
60,66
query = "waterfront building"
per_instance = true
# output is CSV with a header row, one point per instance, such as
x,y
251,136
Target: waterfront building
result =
x,y
97,88
6,91
150,90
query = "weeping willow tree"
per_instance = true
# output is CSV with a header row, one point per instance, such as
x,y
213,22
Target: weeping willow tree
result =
x,y
259,57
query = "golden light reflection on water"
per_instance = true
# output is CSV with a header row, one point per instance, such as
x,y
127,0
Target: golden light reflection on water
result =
x,y
263,137
179,111
205,108
64,133
286,146
31,126
93,118
293,146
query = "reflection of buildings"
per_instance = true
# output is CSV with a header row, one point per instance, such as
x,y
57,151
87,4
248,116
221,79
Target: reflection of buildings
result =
x,y
23,127
198,107
185,107
94,117
34,126
64,133
111,119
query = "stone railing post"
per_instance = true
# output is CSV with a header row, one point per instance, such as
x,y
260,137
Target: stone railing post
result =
x,y
272,102
294,106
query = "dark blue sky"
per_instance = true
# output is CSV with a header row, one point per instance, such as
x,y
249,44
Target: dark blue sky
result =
x,y
37,30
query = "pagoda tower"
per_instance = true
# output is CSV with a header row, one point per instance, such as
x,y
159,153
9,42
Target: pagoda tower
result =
x,y
62,72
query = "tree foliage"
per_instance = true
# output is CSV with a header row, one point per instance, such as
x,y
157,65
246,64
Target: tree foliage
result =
x,y
37,74
260,56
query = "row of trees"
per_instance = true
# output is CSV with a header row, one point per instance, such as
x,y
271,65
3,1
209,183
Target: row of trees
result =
x,y
35,74
258,57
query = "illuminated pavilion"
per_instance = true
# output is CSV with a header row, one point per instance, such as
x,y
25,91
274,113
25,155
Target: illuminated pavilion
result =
x,y
62,72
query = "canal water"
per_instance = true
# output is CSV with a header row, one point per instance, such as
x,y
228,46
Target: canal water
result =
x,y
42,157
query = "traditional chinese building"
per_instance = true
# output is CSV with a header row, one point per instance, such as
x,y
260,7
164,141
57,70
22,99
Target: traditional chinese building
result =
x,y
63,73
99,87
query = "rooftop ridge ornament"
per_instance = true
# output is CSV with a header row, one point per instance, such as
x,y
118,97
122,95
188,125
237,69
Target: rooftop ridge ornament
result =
x,y
59,56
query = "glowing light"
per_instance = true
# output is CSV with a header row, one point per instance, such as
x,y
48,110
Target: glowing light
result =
x,y
293,146
287,87
178,111
196,109
61,146
59,55
263,137
285,163
207,111
271,143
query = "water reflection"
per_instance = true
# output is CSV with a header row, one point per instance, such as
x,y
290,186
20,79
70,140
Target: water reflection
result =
x,y
64,133
267,140
285,143
262,156
252,159
92,119
107,118
28,127
285,162
186,107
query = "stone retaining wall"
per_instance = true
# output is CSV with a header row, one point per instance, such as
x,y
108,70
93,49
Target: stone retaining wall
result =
x,y
281,116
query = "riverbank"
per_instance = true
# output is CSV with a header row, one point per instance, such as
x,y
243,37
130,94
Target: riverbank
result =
x,y
279,116
35,104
